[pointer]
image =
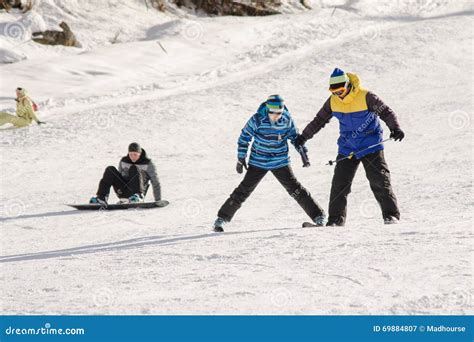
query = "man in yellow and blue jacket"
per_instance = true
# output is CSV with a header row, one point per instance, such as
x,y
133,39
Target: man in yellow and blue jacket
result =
x,y
358,111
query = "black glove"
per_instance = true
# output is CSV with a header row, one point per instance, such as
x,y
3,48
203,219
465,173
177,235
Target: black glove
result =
x,y
300,140
41,122
397,134
240,165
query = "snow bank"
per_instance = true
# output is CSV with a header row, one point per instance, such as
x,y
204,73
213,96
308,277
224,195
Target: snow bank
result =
x,y
399,9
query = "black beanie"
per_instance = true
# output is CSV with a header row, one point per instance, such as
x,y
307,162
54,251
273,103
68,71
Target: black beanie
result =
x,y
134,147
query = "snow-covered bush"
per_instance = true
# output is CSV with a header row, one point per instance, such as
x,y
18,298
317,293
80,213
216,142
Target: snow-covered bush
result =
x,y
232,7
23,5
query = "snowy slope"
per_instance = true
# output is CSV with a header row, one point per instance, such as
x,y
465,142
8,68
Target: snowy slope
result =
x,y
186,106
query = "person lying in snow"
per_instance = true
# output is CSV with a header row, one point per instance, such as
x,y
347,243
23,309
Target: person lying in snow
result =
x,y
358,112
130,180
25,111
270,129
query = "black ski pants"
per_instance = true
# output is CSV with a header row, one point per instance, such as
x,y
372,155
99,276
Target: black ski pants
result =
x,y
285,176
376,170
123,187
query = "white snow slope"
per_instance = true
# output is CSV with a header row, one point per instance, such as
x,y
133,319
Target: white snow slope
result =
x,y
186,106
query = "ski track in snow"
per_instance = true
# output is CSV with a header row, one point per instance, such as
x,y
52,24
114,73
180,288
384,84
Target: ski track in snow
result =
x,y
166,261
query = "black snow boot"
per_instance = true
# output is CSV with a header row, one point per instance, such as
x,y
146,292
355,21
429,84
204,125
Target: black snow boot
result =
x,y
334,221
219,225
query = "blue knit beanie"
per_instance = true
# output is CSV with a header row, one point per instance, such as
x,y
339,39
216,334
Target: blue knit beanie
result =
x,y
275,103
338,79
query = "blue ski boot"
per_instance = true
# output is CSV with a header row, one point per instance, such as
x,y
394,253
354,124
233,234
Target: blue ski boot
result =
x,y
135,198
97,200
219,225
318,221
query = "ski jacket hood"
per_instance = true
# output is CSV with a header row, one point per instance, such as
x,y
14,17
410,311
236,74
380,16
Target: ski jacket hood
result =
x,y
262,111
355,89
142,160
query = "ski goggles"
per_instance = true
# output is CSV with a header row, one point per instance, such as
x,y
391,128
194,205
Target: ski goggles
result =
x,y
339,91
275,111
274,108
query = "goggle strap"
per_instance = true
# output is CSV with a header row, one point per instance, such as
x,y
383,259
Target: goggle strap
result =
x,y
345,87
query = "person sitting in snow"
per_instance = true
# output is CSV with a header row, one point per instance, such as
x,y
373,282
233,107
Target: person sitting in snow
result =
x,y
129,181
270,129
25,111
358,112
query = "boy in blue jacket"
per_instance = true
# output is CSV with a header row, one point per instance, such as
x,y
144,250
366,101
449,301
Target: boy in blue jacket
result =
x,y
270,129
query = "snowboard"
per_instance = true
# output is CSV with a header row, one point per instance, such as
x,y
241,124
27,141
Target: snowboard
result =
x,y
120,206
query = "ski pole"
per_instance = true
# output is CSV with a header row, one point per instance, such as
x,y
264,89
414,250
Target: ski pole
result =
x,y
352,154
304,156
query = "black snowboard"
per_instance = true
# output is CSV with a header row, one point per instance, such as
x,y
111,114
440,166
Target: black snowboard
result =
x,y
120,206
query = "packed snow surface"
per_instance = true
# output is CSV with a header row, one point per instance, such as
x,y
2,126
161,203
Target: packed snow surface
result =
x,y
183,86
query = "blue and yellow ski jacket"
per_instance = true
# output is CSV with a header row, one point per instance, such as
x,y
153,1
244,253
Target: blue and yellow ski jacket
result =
x,y
358,114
